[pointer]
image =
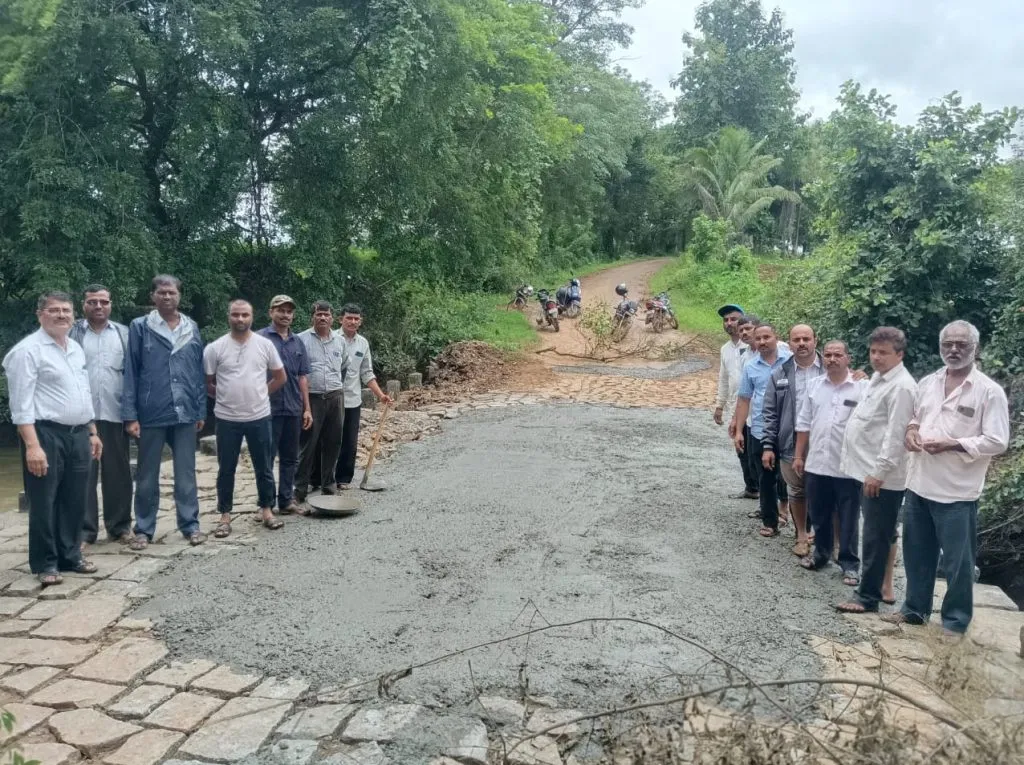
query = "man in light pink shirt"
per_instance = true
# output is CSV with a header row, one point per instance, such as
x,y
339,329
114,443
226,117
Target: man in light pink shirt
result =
x,y
961,421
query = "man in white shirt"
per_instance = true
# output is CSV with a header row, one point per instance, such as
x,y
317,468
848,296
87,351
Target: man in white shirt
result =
x,y
820,429
105,343
237,367
874,455
51,405
961,421
730,364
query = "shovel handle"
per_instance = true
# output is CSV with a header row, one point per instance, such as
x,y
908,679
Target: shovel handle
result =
x,y
376,443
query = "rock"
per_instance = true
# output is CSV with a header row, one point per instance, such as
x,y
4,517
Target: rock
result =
x,y
464,738
144,625
123,661
18,626
543,719
990,596
25,585
289,688
139,570
89,730
502,711
65,589
26,717
46,609
381,724
88,618
237,731
48,653
292,752
537,751
69,694
146,748
49,754
990,627
114,588
223,681
14,606
184,712
141,701
27,681
359,754
1004,708
906,649
105,566
316,722
180,673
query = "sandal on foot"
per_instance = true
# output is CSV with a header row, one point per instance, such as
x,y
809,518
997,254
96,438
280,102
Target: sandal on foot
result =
x,y
810,564
48,578
272,523
801,549
221,531
901,618
85,567
851,578
140,542
853,607
197,538
889,601
768,532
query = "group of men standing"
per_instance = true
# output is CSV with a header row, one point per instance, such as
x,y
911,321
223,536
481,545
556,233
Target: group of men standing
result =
x,y
844,445
80,391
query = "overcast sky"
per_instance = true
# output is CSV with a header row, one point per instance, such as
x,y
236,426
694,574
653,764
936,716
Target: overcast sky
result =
x,y
914,50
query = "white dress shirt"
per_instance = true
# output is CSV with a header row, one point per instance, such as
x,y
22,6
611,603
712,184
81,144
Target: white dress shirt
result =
x,y
875,433
824,414
802,376
730,365
47,382
104,360
976,416
359,370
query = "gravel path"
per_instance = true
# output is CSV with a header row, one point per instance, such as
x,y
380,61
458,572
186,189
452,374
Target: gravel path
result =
x,y
677,369
512,519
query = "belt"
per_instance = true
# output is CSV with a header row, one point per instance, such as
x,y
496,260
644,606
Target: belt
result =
x,y
61,427
328,395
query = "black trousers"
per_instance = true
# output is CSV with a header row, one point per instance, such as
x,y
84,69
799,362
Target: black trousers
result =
x,y
325,434
57,499
749,477
115,470
881,515
827,495
287,436
770,483
349,445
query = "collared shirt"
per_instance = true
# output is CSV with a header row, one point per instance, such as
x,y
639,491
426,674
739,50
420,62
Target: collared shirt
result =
x,y
730,365
976,416
359,370
241,370
161,327
802,376
47,382
287,402
824,414
104,360
873,445
327,360
753,382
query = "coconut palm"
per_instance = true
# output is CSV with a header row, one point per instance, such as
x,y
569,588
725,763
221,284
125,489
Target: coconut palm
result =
x,y
730,178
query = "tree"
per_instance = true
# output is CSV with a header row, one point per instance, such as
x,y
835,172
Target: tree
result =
x,y
730,178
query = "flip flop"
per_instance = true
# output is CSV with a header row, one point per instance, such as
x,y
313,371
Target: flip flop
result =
x,y
272,523
891,602
851,578
852,607
85,567
50,578
808,563
767,532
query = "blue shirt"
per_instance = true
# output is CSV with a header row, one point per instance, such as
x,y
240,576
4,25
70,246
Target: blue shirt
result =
x,y
287,402
753,383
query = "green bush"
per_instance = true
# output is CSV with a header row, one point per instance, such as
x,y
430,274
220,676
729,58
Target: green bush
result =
x,y
709,239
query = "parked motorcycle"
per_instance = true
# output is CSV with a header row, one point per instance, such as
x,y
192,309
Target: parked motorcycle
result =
x,y
660,313
519,301
548,310
624,313
570,299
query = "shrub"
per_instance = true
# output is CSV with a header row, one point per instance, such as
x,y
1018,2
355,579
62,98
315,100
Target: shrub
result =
x,y
709,239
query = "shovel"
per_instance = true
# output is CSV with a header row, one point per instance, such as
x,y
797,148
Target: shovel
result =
x,y
364,484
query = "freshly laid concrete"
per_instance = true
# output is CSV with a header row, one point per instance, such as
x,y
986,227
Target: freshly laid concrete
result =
x,y
509,520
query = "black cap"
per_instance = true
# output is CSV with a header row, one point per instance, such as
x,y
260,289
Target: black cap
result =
x,y
729,308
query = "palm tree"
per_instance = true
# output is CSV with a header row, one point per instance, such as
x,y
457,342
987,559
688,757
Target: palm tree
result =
x,y
730,178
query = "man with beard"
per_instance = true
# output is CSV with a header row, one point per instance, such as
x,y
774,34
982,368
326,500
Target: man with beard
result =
x,y
730,364
164,402
237,366
289,406
961,421
51,405
105,343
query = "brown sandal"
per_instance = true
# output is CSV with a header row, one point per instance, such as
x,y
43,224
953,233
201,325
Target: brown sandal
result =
x,y
50,578
768,532
140,542
222,530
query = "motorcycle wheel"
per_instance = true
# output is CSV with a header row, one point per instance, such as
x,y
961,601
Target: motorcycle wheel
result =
x,y
674,323
554,323
658,323
572,311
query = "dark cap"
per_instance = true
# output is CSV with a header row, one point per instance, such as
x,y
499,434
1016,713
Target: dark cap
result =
x,y
281,300
729,308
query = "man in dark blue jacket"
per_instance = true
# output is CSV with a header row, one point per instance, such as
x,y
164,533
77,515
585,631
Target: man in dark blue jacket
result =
x,y
164,402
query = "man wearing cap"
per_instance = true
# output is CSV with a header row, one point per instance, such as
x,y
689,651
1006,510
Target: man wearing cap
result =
x,y
730,364
289,406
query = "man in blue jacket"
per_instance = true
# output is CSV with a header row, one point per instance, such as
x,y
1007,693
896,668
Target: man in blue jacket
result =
x,y
164,402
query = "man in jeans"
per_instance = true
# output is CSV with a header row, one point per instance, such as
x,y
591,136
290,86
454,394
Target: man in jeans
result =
x,y
875,457
164,402
961,421
750,400
289,406
105,343
237,366
733,354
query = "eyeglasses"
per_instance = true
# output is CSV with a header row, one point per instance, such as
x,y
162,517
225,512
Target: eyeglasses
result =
x,y
97,302
948,345
58,311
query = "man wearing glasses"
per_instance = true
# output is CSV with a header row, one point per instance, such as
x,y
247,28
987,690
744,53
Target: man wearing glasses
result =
x,y
105,342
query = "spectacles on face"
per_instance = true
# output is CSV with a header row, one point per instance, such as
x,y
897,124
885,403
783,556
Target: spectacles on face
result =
x,y
961,345
59,311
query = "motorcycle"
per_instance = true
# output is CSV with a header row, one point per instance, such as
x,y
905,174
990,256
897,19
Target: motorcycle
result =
x,y
570,299
519,301
660,313
548,310
623,319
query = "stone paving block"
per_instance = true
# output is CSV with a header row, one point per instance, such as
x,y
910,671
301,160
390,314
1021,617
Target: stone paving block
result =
x,y
18,626
90,616
129,623
223,680
49,754
123,661
463,738
317,722
13,606
289,688
48,653
180,673
381,724
46,609
140,569
292,752
146,748
358,754
106,564
26,717
89,730
118,588
65,589
7,576
27,681
184,711
162,550
237,730
141,701
24,585
990,596
70,693
9,560
5,668
996,628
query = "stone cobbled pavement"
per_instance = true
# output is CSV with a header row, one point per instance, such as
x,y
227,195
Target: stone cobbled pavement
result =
x,y
88,683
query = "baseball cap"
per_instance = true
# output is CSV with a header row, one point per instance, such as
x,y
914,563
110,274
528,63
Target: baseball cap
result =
x,y
729,308
281,300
